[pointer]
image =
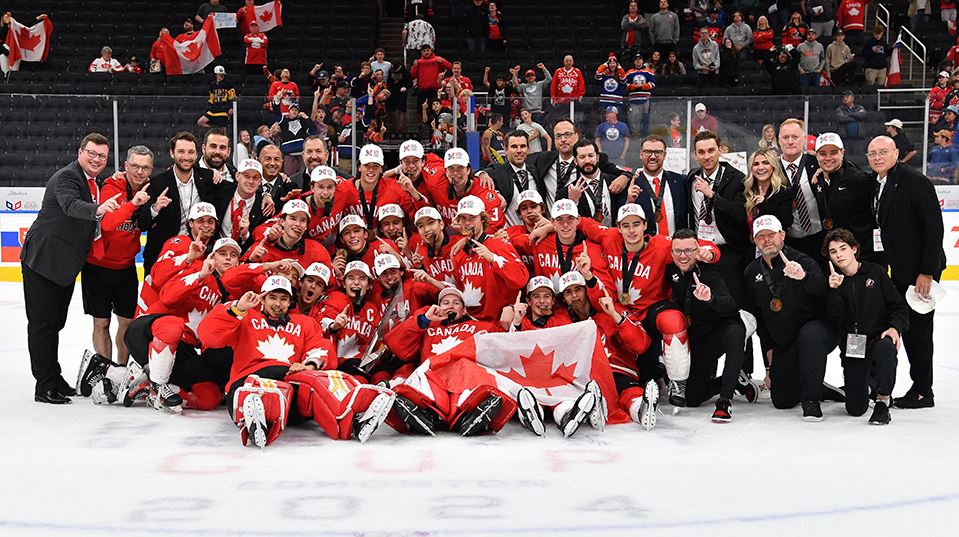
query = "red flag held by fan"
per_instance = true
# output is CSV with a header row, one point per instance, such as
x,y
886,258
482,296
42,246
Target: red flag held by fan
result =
x,y
28,43
188,57
269,15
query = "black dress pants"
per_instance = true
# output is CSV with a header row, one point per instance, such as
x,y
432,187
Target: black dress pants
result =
x,y
47,304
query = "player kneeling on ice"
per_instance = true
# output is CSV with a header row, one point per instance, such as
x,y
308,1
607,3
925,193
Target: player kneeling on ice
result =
x,y
457,394
863,302
278,358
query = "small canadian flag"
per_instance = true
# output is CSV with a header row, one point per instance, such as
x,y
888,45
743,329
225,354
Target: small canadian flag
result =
x,y
269,15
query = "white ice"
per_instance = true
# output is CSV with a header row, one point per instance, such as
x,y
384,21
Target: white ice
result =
x,y
87,470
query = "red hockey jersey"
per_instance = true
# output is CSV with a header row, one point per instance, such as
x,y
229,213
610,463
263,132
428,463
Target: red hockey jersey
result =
x,y
415,341
567,85
851,15
489,286
446,201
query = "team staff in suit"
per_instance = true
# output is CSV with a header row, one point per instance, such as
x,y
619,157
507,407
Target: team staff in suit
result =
x,y
54,251
766,189
239,205
806,232
174,192
666,190
910,222
591,191
849,189
514,176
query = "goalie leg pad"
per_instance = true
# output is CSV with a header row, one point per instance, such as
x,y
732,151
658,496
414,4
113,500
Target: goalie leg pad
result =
x,y
276,397
324,396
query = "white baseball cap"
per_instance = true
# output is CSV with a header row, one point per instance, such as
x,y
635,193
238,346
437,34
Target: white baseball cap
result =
x,y
564,207
767,223
456,155
202,209
924,305
530,195
411,148
894,123
385,262
944,74
829,138
470,205
250,164
371,154
300,271
427,212
450,291
318,270
357,265
390,209
569,279
700,106
219,70
277,283
351,220
630,209
296,206
537,282
227,242
321,173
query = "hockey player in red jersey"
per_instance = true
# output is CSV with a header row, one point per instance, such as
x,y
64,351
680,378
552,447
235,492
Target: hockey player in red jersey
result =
x,y
532,211
280,357
353,328
487,269
316,299
417,168
328,203
540,309
447,190
433,253
356,243
372,190
415,292
459,395
291,241
391,222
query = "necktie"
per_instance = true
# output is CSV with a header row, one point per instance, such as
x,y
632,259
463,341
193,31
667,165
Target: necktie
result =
x,y
236,216
706,209
523,179
662,225
802,210
98,249
563,168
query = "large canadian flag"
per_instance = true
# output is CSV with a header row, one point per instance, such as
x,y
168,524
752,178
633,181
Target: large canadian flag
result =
x,y
188,57
27,43
554,363
894,76
269,15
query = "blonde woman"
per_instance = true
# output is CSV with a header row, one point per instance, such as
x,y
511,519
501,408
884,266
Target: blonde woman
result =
x,y
768,139
766,189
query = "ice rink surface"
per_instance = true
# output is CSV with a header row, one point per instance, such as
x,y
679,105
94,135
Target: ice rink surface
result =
x,y
82,469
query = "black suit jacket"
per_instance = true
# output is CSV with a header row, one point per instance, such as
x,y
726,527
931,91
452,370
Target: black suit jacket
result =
x,y
542,161
586,209
730,209
58,241
167,221
281,189
504,179
221,201
779,205
911,223
677,192
810,164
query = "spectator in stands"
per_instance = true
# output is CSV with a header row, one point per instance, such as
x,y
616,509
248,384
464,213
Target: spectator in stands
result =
x,y
220,104
947,10
948,120
851,115
812,60
492,149
915,6
531,91
632,25
703,121
244,16
905,147
741,35
706,58
212,6
256,43
283,93
133,66
839,59
822,16
319,78
400,85
496,35
536,133
674,131
729,64
937,96
640,81
568,83
612,78
106,63
851,18
499,94
244,146
876,54
763,44
673,71
426,73
156,52
655,63
417,33
711,26
477,26
943,158
379,62
457,82
768,139
794,32
361,82
953,53
664,28
294,127
188,32
783,73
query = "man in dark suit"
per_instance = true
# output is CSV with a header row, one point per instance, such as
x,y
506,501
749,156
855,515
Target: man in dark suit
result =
x,y
174,192
239,204
666,190
216,154
514,176
806,232
591,191
276,185
910,222
54,251
315,154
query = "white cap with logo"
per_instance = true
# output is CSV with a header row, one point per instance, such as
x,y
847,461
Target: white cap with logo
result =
x,y
390,209
249,164
570,279
564,207
470,205
427,212
296,206
530,195
319,270
357,265
227,242
630,209
277,283
323,173
351,220
456,155
202,209
767,223
537,282
385,262
450,291
411,148
371,154
829,138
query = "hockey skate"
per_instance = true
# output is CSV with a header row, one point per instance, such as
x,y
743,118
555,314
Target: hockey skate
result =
x,y
577,414
165,397
104,392
365,424
254,419
643,410
529,412
93,368
597,418
137,384
748,387
477,421
418,420
677,394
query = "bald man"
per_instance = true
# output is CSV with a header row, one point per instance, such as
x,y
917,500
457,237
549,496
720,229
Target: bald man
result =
x,y
909,232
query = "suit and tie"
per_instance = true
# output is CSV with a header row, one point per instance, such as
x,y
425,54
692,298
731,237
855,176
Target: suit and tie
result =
x,y
809,227
229,212
666,195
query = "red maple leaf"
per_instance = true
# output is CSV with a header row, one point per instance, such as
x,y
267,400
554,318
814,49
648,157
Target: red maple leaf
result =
x,y
539,371
26,40
266,16
192,52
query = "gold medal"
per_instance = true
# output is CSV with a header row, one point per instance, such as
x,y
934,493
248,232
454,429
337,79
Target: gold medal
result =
x,y
624,299
689,320
827,224
775,305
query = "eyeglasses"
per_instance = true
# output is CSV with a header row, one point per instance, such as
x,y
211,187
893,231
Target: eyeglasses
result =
x,y
684,252
139,168
564,135
650,153
94,155
880,153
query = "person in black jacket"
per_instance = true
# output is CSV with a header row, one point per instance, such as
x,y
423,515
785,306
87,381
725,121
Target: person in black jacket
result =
x,y
665,190
848,192
239,205
864,304
910,224
807,230
783,73
714,327
591,191
787,294
766,189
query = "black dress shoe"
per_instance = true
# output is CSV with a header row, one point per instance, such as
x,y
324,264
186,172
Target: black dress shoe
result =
x,y
51,396
65,389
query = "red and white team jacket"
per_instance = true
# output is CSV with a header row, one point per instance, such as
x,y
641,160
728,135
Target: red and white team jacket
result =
x,y
368,254
257,343
190,298
387,191
417,339
567,85
352,339
326,308
306,252
325,220
172,261
623,341
560,317
545,256
438,263
446,201
415,296
851,15
489,286
648,285
119,232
